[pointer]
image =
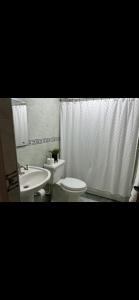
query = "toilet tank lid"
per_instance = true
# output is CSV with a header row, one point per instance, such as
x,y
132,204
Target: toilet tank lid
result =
x,y
73,184
55,166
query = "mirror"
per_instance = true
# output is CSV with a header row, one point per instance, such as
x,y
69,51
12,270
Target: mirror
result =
x,y
20,124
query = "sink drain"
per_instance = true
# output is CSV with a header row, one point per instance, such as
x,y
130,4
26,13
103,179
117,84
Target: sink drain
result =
x,y
26,186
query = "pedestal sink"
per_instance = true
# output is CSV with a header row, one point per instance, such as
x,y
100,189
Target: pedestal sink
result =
x,y
32,181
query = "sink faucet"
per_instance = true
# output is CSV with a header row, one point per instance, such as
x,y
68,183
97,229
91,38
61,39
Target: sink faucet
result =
x,y
21,166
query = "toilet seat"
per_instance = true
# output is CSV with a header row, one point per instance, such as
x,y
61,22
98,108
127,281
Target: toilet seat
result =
x,y
73,184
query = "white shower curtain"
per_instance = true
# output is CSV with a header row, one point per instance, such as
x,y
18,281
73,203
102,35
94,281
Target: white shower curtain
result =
x,y
99,141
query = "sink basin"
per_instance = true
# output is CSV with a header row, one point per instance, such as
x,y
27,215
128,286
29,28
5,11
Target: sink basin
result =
x,y
32,181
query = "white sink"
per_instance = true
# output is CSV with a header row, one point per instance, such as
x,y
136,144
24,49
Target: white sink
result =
x,y
32,181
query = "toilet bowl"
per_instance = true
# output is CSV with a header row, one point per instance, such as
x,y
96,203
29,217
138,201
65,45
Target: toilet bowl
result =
x,y
64,189
68,190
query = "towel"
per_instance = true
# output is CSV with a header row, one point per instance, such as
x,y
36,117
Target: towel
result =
x,y
133,197
134,192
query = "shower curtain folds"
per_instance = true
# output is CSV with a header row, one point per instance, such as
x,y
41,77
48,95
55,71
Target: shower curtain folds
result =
x,y
99,142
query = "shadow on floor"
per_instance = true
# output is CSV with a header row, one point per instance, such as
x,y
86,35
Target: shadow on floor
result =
x,y
93,198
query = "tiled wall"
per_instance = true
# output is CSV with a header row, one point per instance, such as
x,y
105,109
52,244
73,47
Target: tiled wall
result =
x,y
43,125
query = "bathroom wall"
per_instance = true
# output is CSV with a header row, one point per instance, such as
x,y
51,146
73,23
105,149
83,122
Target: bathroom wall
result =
x,y
43,126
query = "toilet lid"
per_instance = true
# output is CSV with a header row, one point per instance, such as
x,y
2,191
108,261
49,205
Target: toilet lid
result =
x,y
73,184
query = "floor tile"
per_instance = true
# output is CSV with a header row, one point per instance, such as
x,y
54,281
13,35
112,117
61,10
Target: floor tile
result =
x,y
93,198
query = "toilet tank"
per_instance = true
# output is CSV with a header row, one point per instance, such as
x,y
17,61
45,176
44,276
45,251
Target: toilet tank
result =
x,y
57,171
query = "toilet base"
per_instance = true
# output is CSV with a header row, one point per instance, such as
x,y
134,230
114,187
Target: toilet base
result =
x,y
60,195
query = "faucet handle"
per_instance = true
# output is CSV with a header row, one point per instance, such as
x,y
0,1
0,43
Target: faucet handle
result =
x,y
26,167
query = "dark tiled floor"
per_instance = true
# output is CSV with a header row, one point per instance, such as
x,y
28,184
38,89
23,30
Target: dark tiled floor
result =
x,y
84,198
93,198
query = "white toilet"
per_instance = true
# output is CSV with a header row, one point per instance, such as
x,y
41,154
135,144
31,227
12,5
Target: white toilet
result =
x,y
64,189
